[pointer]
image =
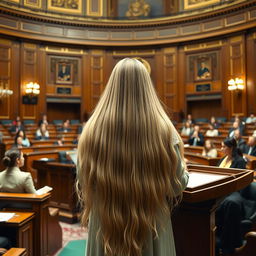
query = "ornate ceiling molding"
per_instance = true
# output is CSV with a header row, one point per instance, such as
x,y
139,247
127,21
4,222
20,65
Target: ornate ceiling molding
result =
x,y
167,30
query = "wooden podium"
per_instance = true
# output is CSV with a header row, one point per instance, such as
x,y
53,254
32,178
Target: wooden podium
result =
x,y
194,219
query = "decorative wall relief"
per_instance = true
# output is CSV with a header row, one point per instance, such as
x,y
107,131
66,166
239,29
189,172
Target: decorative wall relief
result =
x,y
191,4
138,8
33,3
70,6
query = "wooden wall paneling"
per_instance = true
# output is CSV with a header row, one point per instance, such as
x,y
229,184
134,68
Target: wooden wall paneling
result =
x,y
5,76
42,74
181,84
15,80
170,80
86,99
63,111
29,73
250,71
96,69
237,69
225,76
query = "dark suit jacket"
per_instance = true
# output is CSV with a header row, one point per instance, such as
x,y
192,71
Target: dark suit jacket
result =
x,y
200,142
241,144
238,163
246,150
241,129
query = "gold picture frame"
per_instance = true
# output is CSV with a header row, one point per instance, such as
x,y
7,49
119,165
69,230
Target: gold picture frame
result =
x,y
203,68
67,6
191,4
33,3
64,72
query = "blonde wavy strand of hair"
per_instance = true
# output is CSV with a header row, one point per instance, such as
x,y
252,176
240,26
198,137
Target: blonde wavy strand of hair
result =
x,y
127,162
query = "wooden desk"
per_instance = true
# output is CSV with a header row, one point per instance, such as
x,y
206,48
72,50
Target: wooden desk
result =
x,y
47,231
59,176
16,252
199,159
194,220
19,229
30,157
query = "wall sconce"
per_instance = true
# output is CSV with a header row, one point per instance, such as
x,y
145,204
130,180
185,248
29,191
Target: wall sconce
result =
x,y
31,92
32,89
235,84
4,92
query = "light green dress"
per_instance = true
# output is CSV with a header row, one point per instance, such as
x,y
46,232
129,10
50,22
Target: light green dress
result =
x,y
163,245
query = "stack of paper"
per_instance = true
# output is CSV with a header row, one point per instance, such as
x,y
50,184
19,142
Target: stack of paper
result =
x,y
5,216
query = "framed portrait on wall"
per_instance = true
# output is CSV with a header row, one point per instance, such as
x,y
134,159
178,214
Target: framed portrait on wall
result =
x,y
203,68
64,72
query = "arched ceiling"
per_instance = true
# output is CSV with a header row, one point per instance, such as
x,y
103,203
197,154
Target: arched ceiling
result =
x,y
123,10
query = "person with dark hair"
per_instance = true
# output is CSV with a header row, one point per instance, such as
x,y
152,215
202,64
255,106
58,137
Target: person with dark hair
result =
x,y
250,148
130,168
196,137
187,129
233,155
214,122
231,210
17,127
43,120
12,179
211,132
60,140
209,149
25,140
42,133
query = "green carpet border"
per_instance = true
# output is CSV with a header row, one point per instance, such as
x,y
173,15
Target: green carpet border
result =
x,y
74,247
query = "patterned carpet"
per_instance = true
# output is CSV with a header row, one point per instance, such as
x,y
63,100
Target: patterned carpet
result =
x,y
71,232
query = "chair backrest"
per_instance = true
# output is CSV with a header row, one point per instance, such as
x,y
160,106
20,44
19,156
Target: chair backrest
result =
x,y
221,119
25,122
57,122
201,120
6,122
74,121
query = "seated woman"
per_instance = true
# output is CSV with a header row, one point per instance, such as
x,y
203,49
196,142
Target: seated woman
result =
x,y
214,122
209,149
12,179
211,132
60,140
187,129
25,140
42,133
231,210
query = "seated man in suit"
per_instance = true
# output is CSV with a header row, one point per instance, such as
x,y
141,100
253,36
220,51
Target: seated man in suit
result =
x,y
17,127
239,140
250,147
64,158
65,127
196,138
236,126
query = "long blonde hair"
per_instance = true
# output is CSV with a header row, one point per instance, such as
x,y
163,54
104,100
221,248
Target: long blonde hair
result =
x,y
127,161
